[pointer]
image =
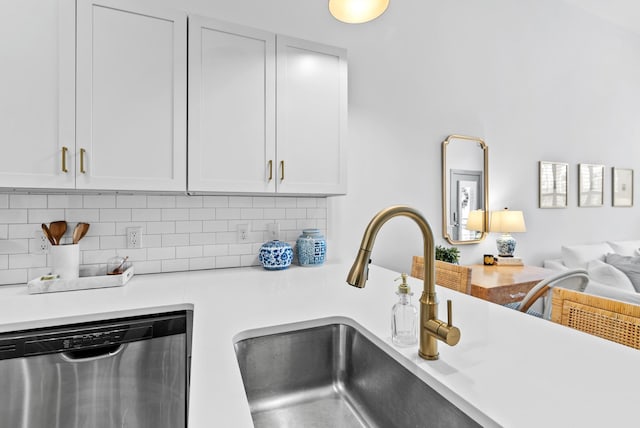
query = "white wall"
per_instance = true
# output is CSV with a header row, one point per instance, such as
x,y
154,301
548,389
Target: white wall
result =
x,y
538,80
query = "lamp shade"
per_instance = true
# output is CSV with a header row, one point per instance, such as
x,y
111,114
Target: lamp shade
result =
x,y
507,221
475,221
357,11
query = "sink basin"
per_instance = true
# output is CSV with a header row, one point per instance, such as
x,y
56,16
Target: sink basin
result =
x,y
334,375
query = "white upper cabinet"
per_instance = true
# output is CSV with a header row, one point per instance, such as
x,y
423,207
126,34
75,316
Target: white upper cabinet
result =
x,y
131,96
238,142
231,108
37,106
311,117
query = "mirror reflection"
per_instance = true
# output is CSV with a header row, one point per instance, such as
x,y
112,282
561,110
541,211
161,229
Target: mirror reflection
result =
x,y
464,189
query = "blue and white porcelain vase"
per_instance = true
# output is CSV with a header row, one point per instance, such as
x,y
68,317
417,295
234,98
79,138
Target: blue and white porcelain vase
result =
x,y
311,248
275,255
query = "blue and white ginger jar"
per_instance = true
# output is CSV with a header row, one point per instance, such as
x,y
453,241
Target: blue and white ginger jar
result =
x,y
311,248
275,255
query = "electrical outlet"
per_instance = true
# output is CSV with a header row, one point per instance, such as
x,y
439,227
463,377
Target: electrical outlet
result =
x,y
243,232
134,237
42,243
273,231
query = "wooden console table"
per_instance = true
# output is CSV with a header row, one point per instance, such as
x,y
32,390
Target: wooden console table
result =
x,y
505,284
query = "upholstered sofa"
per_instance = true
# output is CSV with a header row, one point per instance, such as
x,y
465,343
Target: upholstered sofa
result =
x,y
613,267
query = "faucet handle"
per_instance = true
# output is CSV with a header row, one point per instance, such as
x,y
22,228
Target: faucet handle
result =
x,y
449,313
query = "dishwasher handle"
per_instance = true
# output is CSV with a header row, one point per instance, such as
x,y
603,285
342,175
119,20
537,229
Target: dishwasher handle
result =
x,y
92,354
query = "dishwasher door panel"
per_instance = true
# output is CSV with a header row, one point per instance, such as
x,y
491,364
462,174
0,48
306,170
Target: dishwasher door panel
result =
x,y
138,385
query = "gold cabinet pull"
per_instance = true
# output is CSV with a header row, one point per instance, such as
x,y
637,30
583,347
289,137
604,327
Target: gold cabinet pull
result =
x,y
270,169
64,159
281,170
82,152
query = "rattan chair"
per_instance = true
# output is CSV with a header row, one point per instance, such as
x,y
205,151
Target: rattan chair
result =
x,y
575,279
448,275
610,319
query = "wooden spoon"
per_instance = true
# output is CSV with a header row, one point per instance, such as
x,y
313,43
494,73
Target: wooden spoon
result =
x,y
57,229
79,231
47,233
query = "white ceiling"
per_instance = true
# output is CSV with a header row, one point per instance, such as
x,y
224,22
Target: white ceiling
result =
x,y
624,13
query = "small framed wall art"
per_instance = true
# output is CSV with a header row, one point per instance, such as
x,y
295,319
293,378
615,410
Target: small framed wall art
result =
x,y
622,187
590,185
553,184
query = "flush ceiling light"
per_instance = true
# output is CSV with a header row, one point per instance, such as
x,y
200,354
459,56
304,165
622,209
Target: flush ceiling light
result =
x,y
357,11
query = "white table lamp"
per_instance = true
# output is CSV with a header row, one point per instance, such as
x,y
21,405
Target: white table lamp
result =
x,y
507,222
475,221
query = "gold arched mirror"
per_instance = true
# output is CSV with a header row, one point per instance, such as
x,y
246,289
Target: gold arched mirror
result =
x,y
465,189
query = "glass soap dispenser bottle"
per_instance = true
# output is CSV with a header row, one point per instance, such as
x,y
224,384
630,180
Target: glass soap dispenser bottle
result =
x,y
404,316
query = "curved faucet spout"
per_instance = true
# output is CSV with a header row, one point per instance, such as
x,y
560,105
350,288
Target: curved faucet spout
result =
x,y
431,327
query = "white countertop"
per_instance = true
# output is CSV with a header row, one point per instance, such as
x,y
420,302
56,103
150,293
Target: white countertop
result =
x,y
519,370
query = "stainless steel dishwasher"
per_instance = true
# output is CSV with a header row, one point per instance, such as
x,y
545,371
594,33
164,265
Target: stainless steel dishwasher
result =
x,y
128,372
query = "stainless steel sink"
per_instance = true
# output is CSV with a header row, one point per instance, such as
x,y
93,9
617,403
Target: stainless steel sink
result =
x,y
334,375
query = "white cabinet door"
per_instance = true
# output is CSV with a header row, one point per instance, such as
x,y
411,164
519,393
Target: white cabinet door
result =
x,y
37,83
131,96
231,108
312,117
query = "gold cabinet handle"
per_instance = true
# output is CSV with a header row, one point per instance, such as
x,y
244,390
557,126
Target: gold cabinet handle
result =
x,y
64,159
281,170
82,152
270,169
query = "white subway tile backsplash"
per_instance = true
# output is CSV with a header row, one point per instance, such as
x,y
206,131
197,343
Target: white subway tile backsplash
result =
x,y
22,261
175,239
17,231
215,250
227,261
215,201
227,213
27,201
251,213
64,201
115,214
286,202
175,214
14,246
296,213
163,253
99,201
175,265
14,216
157,201
109,242
14,276
85,215
264,202
152,240
161,227
131,201
202,238
179,232
199,263
189,201
306,202
240,201
188,252
91,257
202,214
188,226
215,226
146,214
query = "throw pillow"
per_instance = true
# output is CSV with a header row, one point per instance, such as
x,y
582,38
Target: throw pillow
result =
x,y
627,264
625,248
578,256
609,275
